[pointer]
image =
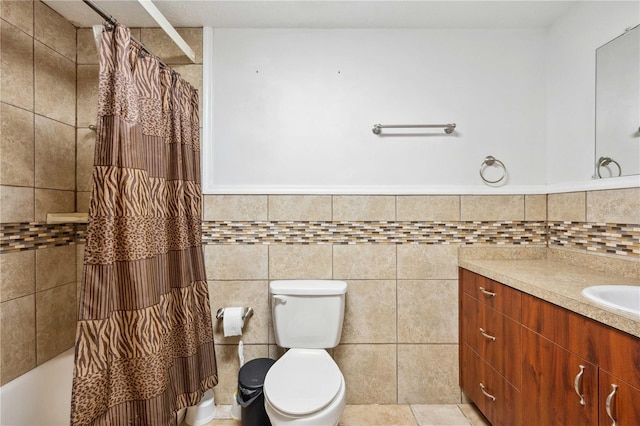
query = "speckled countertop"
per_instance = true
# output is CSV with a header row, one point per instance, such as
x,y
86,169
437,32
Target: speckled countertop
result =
x,y
560,284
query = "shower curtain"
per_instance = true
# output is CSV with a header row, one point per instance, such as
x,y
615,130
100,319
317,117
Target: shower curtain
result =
x,y
144,342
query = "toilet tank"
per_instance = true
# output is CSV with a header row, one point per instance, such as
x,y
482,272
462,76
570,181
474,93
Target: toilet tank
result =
x,y
307,314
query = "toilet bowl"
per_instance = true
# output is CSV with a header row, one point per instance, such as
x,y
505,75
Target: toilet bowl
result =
x,y
304,387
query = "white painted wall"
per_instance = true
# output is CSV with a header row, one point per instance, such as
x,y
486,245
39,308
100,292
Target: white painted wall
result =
x,y
572,41
293,110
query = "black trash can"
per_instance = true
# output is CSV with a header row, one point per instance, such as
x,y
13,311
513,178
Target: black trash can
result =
x,y
250,396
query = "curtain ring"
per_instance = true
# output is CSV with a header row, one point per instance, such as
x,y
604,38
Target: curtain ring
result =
x,y
490,161
604,162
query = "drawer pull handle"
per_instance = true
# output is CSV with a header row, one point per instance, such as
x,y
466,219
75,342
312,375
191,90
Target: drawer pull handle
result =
x,y
608,404
488,336
487,292
577,384
487,394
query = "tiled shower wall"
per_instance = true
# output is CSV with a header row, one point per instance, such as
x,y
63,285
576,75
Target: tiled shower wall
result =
x,y
37,176
399,256
48,99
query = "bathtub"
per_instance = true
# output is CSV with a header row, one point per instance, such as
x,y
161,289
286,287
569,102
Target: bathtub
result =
x,y
40,397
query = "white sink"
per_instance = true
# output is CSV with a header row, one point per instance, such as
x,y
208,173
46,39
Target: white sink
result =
x,y
622,297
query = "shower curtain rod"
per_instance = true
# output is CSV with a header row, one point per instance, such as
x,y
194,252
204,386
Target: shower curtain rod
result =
x,y
111,20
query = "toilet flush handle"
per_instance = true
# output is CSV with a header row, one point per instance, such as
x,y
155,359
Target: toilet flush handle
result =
x,y
280,299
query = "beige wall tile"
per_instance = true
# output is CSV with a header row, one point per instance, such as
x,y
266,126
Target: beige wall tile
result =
x,y
502,252
235,207
428,207
17,277
427,261
364,262
86,51
55,266
364,207
16,67
55,320
236,262
369,372
18,337
614,206
370,312
82,201
569,207
55,85
492,207
428,311
300,207
54,30
535,207
300,261
55,154
85,148
229,366
157,41
16,146
18,13
437,382
16,204
254,294
53,201
79,261
87,95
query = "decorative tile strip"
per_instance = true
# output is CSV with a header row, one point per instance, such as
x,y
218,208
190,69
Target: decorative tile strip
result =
x,y
618,239
375,232
34,235
609,238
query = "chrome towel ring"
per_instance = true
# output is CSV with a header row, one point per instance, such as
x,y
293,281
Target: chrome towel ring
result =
x,y
604,162
490,161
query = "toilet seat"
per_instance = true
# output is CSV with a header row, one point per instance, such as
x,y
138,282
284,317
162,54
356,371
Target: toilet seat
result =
x,y
302,382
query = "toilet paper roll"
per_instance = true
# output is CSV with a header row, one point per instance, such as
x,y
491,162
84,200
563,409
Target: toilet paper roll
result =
x,y
232,321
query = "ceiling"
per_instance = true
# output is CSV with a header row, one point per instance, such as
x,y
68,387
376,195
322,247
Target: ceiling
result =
x,y
322,13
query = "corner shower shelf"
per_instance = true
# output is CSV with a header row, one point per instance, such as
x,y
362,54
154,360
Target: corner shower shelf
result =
x,y
66,218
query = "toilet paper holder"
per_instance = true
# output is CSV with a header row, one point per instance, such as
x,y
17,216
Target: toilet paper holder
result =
x,y
246,313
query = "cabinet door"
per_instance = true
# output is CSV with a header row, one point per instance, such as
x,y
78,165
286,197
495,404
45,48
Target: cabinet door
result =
x,y
558,387
498,400
623,404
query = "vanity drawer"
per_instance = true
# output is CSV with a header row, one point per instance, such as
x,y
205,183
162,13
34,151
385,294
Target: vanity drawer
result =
x,y
492,394
499,296
494,336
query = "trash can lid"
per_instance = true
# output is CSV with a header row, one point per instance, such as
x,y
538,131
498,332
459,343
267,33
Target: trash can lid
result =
x,y
252,374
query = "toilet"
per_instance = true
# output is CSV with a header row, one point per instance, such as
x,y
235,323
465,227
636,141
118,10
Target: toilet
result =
x,y
305,386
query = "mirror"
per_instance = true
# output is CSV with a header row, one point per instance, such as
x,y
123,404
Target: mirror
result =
x,y
618,106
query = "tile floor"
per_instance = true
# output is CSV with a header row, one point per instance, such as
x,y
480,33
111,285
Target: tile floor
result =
x,y
390,415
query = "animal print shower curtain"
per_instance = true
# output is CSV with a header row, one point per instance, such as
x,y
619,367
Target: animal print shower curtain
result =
x,y
144,343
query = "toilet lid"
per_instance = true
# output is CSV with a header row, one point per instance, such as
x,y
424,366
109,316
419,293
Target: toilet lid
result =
x,y
303,381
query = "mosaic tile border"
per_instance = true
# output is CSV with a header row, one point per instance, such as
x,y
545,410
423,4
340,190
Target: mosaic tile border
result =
x,y
374,232
34,235
607,238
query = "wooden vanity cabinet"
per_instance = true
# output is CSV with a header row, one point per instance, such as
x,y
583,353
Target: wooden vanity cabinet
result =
x,y
558,367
